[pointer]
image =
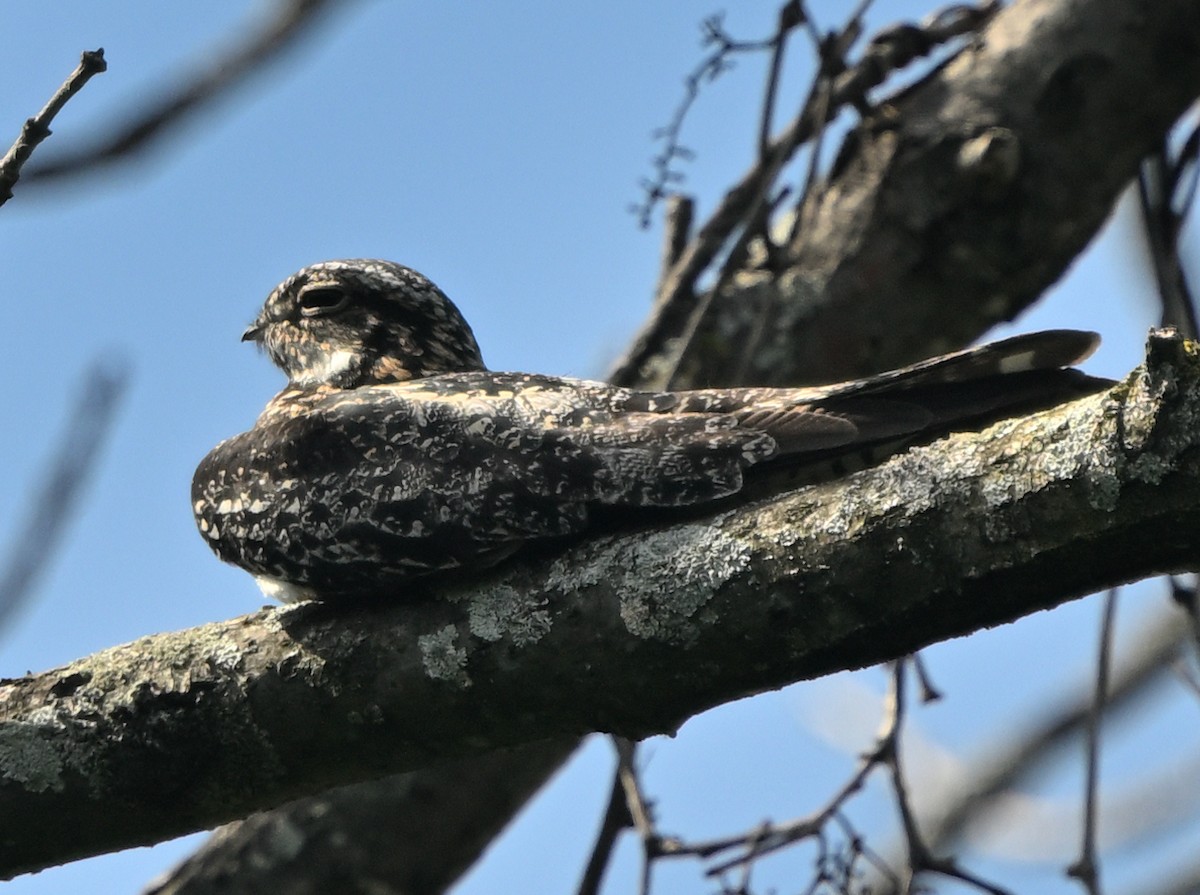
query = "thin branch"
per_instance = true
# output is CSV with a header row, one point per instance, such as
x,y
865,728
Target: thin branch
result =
x,y
37,128
677,230
712,66
638,807
920,858
929,692
830,51
769,838
757,212
1087,869
1027,753
157,117
1187,598
791,15
616,818
52,505
1164,196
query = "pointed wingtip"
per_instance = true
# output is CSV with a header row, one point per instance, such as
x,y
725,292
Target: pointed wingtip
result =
x,y
1043,350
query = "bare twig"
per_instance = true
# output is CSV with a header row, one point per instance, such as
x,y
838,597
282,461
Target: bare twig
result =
x,y
1135,675
1187,599
718,61
157,117
677,230
831,50
929,692
37,128
1086,869
765,839
920,858
52,504
1166,184
616,818
758,210
641,812
758,213
791,14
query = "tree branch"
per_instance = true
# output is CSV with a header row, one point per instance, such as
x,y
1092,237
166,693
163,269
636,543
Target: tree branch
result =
x,y
379,833
991,174
185,730
52,506
225,71
37,128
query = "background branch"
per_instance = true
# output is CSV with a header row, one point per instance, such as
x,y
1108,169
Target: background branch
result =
x,y
358,839
53,505
225,72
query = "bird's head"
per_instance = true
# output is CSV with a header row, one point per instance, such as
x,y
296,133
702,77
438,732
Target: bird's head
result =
x,y
362,322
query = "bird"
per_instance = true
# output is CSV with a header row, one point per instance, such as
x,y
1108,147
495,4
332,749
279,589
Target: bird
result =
x,y
393,454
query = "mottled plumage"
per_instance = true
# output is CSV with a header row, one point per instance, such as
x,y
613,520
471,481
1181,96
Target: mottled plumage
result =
x,y
393,453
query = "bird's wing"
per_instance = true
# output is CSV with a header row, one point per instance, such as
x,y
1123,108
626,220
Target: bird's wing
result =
x,y
1047,350
966,389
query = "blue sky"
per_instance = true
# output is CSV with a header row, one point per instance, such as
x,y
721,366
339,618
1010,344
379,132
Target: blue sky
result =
x,y
496,148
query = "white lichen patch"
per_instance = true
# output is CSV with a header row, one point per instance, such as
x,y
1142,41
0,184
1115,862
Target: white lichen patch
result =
x,y
501,610
28,756
443,658
668,577
225,656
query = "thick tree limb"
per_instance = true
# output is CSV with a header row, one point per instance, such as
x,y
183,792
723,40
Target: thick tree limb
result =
x,y
361,839
181,731
960,201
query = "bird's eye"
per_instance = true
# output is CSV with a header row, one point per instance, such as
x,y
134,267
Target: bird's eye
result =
x,y
322,300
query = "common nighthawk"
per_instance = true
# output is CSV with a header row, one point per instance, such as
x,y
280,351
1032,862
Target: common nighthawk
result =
x,y
394,453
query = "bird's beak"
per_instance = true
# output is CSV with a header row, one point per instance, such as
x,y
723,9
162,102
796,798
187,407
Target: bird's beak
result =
x,y
253,332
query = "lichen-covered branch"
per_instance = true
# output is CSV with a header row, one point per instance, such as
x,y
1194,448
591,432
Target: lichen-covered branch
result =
x,y
182,731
